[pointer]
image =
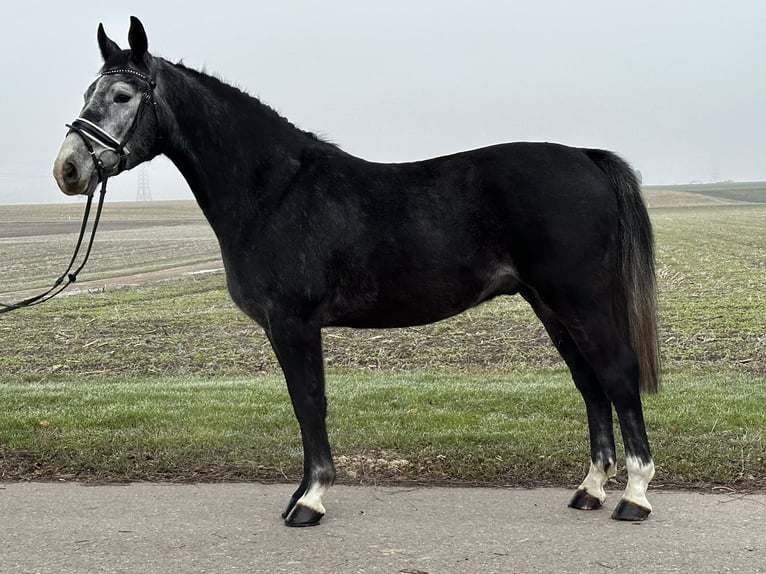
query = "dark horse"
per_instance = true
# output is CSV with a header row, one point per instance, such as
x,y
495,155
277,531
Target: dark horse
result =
x,y
313,237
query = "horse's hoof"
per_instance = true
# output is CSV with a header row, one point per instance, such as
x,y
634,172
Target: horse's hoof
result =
x,y
630,511
582,500
303,516
289,508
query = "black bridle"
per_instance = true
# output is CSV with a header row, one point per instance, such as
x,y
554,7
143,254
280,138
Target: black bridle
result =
x,y
109,161
114,150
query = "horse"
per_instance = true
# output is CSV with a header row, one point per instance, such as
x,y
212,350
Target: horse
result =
x,y
313,237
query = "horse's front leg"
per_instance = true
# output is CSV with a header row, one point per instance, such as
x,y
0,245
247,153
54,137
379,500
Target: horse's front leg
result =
x,y
298,347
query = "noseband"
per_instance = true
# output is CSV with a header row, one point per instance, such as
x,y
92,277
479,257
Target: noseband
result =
x,y
89,132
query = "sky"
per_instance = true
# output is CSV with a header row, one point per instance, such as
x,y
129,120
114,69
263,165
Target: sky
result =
x,y
677,87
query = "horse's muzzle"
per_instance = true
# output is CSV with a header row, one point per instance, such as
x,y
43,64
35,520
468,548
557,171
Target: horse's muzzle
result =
x,y
73,169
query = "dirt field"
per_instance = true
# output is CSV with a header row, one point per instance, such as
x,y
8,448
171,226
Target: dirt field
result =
x,y
726,193
135,242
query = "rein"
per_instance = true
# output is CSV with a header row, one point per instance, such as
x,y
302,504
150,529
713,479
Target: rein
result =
x,y
59,285
90,132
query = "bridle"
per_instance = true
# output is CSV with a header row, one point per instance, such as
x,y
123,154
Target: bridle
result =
x,y
114,149
116,152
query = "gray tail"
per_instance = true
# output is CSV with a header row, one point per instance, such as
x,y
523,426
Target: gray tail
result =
x,y
637,302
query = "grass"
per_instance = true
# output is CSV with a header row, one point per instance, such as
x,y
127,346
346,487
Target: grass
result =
x,y
167,381
526,428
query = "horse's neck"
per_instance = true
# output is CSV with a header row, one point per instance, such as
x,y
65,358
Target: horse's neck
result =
x,y
230,148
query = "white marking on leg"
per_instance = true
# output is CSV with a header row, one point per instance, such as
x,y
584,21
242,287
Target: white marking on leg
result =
x,y
312,498
639,475
598,475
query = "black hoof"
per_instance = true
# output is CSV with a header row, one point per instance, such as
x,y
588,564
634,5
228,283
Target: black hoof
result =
x,y
631,511
303,516
294,499
584,501
289,508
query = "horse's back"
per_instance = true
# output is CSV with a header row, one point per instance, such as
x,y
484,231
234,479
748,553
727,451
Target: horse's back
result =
x,y
521,201
515,182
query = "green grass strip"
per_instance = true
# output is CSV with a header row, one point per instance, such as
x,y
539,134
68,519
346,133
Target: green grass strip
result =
x,y
524,428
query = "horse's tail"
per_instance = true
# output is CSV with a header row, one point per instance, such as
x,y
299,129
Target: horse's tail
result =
x,y
636,302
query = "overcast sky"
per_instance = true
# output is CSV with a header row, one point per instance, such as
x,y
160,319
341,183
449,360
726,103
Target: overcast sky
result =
x,y
676,87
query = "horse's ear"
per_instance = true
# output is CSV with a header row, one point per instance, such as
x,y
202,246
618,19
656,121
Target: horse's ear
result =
x,y
137,40
108,47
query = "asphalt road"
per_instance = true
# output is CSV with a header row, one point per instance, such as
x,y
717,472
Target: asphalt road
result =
x,y
222,528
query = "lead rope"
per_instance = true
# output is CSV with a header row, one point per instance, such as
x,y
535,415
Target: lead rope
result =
x,y
67,278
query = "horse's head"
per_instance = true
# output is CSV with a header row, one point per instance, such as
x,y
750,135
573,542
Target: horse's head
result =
x,y
118,127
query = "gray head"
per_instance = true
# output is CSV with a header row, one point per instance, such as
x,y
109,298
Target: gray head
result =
x,y
117,128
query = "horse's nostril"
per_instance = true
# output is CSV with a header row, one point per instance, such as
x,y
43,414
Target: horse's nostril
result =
x,y
71,174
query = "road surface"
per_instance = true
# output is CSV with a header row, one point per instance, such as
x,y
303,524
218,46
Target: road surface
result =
x,y
226,528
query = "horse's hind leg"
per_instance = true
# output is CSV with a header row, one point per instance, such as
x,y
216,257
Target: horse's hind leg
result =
x,y
616,368
605,367
591,494
299,351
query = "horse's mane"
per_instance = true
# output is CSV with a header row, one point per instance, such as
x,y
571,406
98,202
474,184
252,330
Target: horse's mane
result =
x,y
239,96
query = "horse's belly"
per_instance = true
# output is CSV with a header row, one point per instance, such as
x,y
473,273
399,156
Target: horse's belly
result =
x,y
420,299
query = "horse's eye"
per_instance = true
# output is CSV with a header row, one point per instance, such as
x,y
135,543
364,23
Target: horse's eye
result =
x,y
122,98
